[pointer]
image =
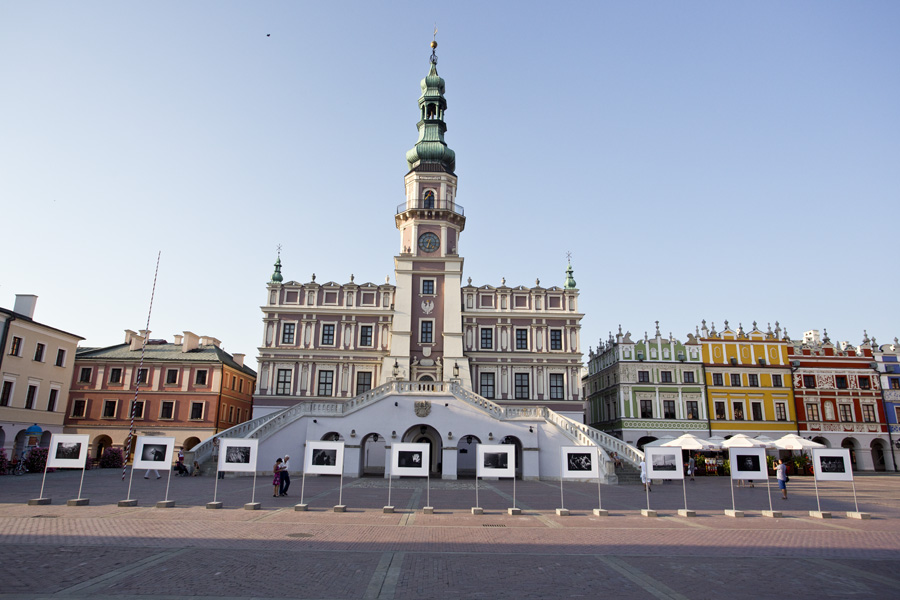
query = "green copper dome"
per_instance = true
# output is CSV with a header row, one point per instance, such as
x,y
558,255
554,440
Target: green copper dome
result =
x,y
570,280
276,276
431,152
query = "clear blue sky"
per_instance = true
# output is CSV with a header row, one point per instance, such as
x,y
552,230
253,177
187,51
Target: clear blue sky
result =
x,y
701,160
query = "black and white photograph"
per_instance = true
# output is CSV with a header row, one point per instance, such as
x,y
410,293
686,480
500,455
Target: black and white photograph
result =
x,y
832,464
748,464
663,463
238,455
410,460
154,453
580,462
67,451
324,458
496,460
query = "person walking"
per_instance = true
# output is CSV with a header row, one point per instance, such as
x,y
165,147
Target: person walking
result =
x,y
276,480
645,478
781,475
285,476
692,466
147,474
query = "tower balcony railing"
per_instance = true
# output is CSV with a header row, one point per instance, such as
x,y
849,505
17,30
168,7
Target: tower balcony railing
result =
x,y
431,204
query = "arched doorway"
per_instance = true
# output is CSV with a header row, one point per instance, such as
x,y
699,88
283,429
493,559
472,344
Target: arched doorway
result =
x,y
426,434
511,439
823,441
878,450
372,456
101,442
851,445
190,443
467,456
332,436
645,440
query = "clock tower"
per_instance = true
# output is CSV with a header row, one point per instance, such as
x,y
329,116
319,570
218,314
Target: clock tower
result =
x,y
427,335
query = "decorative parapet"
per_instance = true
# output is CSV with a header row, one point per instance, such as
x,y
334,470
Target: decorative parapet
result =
x,y
892,395
843,427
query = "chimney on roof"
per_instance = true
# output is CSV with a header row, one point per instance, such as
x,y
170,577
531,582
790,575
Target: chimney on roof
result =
x,y
25,304
238,358
128,334
145,333
137,342
208,340
178,338
191,342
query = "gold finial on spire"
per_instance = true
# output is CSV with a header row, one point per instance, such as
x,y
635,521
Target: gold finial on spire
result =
x,y
434,45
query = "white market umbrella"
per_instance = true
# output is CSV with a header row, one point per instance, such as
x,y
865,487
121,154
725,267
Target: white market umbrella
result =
x,y
664,439
690,441
792,441
742,440
764,439
716,440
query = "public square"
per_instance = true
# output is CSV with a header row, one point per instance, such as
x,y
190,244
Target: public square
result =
x,y
104,551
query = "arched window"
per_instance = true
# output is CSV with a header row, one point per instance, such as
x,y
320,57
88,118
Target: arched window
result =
x,y
429,199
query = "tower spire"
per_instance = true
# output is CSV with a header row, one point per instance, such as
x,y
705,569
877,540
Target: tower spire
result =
x,y
431,152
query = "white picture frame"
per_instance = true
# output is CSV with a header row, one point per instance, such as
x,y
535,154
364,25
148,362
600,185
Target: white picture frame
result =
x,y
832,464
748,464
410,460
495,460
238,455
324,458
664,462
153,452
579,462
68,451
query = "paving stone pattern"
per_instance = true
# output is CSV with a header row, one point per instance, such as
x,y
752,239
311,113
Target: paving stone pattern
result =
x,y
101,551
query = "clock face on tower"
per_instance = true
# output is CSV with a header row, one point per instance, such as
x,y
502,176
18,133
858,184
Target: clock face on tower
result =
x,y
429,242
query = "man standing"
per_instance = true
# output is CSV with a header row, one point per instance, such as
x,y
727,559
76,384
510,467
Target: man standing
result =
x,y
692,466
285,477
781,475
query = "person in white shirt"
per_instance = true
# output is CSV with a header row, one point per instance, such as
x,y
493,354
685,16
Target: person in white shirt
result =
x,y
285,477
645,478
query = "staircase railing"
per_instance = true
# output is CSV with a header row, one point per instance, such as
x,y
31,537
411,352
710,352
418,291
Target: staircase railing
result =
x,y
590,436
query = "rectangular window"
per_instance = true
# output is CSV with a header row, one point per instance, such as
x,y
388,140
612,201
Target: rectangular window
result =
x,y
109,409
868,413
85,375
841,382
646,409
738,411
283,382
167,411
809,381
757,411
365,336
689,377
241,386
137,409
29,396
895,383
427,332
231,414
522,391
845,411
200,378
15,348
717,379
557,386
115,375
326,383
753,380
233,382
643,376
487,385
521,339
287,333
780,411
328,335
720,410
735,380
142,376
52,400
78,408
39,352
668,409
196,411
665,376
487,339
776,381
428,287
6,394
693,409
363,382
865,383
171,376
812,412
60,358
556,339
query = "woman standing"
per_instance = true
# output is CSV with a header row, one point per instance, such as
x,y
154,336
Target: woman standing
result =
x,y
276,481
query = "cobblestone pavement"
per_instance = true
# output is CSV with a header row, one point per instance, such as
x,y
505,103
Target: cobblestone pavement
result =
x,y
104,551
